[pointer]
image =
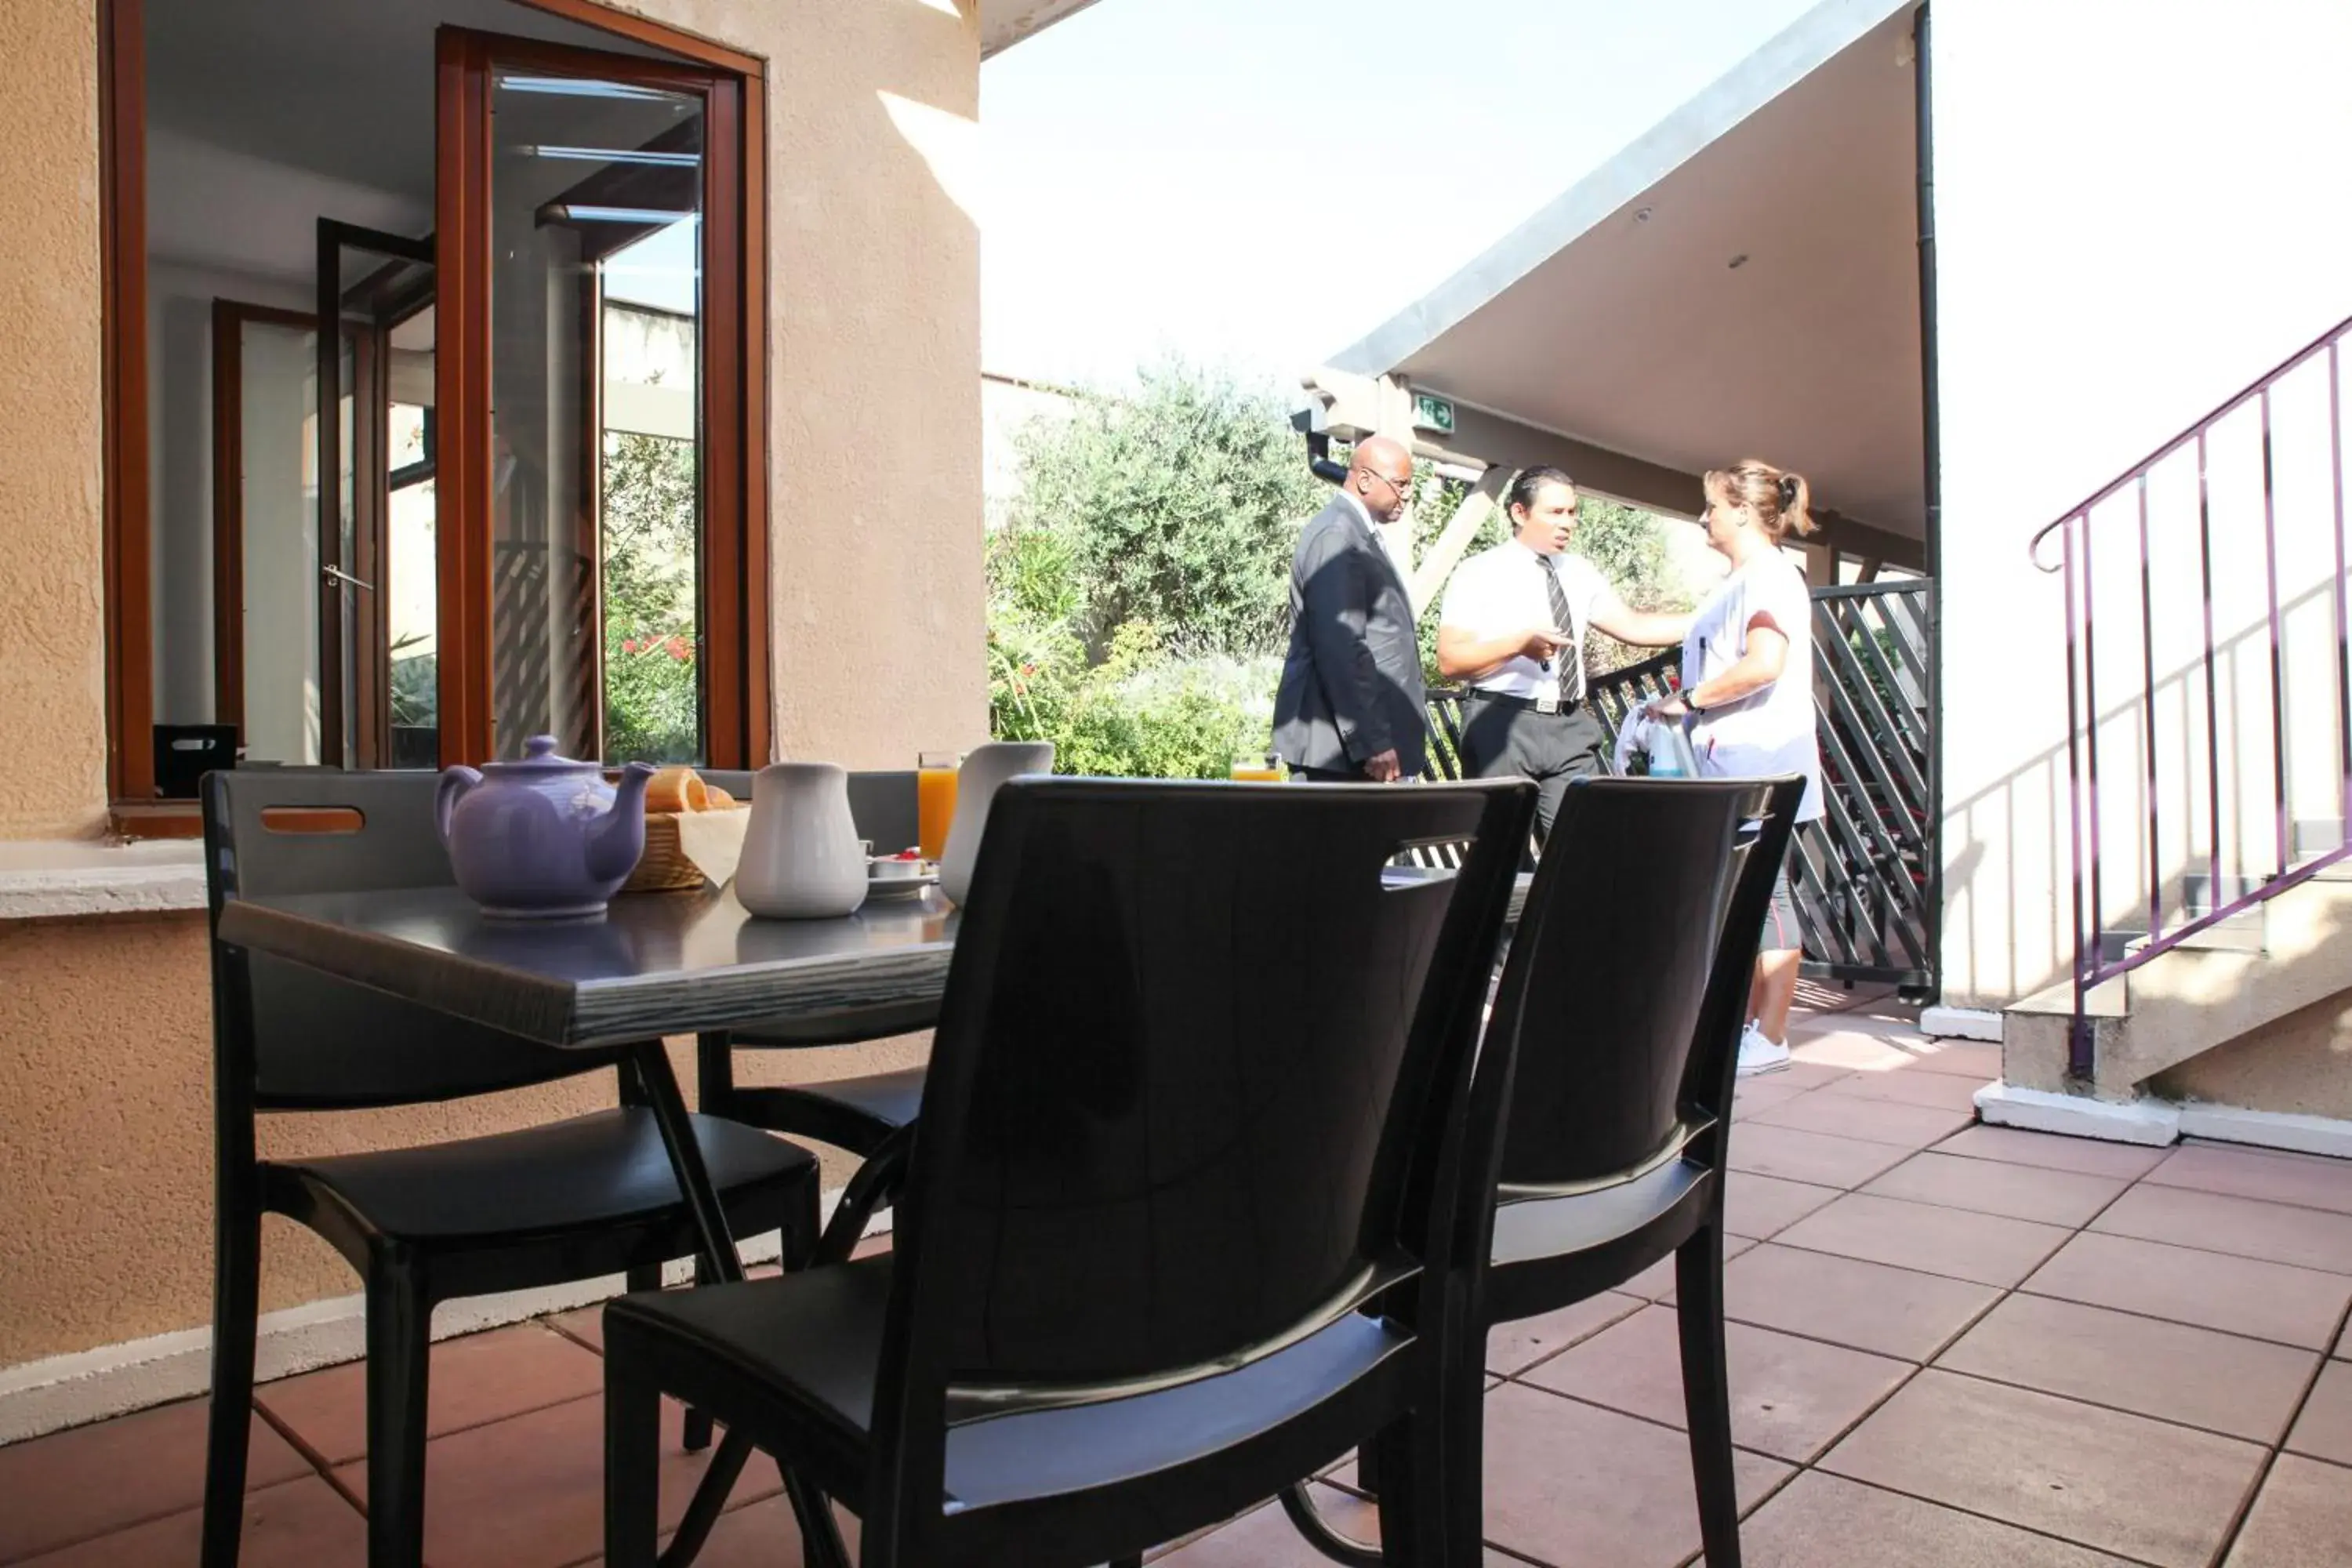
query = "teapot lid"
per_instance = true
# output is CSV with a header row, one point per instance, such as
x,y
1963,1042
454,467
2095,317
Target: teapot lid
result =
x,y
538,757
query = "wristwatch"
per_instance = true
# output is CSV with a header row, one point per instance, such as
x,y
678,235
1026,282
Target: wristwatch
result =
x,y
1691,703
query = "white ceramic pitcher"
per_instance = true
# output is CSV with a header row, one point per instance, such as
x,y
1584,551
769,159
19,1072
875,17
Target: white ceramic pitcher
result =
x,y
801,858
985,769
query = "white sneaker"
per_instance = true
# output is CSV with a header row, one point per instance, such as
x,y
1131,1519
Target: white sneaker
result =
x,y
1759,1054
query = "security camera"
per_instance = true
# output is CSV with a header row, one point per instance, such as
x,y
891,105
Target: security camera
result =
x,y
1309,423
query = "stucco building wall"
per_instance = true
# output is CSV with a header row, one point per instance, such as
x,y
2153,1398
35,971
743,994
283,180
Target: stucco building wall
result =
x,y
877,603
2129,229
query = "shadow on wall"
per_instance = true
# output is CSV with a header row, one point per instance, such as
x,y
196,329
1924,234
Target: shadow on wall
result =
x,y
2177,817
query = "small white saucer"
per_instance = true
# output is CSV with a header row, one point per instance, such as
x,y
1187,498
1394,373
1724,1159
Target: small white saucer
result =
x,y
894,888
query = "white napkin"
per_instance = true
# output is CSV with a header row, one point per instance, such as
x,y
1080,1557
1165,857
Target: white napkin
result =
x,y
713,840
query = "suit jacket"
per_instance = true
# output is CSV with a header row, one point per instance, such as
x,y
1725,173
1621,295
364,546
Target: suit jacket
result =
x,y
1351,684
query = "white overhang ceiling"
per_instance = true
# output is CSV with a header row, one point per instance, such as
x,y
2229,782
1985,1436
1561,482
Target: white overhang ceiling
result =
x,y
1742,281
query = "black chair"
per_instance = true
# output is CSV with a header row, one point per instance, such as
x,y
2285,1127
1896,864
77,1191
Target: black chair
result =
x,y
861,1114
1624,994
1196,1097
570,1200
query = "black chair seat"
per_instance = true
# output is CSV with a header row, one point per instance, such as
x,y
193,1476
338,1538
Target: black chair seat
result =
x,y
849,1027
806,1350
1530,1225
858,1114
591,1172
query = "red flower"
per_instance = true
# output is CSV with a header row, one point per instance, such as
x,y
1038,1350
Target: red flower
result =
x,y
628,644
679,650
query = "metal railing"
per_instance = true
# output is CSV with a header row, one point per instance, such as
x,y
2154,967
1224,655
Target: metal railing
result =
x,y
2180,880
1862,874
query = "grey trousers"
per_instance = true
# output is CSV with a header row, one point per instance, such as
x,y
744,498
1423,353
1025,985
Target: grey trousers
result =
x,y
1503,740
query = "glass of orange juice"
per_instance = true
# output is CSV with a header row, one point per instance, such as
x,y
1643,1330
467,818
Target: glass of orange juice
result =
x,y
935,800
1257,767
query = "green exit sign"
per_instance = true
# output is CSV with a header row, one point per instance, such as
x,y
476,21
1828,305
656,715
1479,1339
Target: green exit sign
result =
x,y
1433,412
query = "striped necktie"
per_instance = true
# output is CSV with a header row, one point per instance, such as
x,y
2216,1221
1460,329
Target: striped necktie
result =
x,y
1572,668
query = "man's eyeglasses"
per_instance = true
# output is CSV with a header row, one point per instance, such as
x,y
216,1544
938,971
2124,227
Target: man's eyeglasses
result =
x,y
1403,488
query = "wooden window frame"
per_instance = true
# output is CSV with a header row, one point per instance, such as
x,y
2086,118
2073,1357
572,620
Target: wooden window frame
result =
x,y
229,319
737,678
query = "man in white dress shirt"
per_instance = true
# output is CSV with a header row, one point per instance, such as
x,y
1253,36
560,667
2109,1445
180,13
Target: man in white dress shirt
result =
x,y
1513,625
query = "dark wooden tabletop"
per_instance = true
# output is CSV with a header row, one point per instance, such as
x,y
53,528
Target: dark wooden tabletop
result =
x,y
654,965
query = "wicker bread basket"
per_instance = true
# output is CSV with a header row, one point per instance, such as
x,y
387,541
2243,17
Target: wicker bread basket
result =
x,y
665,867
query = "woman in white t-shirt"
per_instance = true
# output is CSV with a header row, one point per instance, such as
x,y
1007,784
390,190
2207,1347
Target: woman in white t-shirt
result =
x,y
1748,689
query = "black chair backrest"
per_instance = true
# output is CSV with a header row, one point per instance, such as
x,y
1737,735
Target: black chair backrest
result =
x,y
883,805
1627,979
1194,1038
320,1043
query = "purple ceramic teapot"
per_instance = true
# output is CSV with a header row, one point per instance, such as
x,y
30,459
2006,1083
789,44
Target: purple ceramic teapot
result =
x,y
542,838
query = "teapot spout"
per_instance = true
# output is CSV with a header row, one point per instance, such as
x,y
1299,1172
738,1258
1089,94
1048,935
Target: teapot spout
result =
x,y
617,840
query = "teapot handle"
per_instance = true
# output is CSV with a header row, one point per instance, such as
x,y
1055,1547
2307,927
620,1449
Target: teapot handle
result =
x,y
455,784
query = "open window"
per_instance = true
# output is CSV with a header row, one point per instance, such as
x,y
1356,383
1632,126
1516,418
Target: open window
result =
x,y
447,320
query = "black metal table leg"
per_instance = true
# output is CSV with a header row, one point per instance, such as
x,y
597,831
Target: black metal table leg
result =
x,y
715,1245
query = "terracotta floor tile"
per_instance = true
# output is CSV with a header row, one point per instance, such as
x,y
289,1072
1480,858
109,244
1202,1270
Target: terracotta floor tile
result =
x,y
1872,1120
586,1326
2302,1520
1986,1249
1265,1538
2119,1483
1823,1522
2236,1294
2313,1181
1801,1074
763,1535
1757,1094
2276,1233
2245,1388
1988,1186
71,1486
1852,1049
298,1524
1762,1206
1869,1306
1575,1486
1512,1348
1791,1398
474,1381
2051,1153
1911,1085
2324,1429
1962,1058
1796,1156
528,1492
1656,1283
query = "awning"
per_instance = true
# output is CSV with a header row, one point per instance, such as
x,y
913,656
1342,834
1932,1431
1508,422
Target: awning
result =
x,y
1005,23
1741,281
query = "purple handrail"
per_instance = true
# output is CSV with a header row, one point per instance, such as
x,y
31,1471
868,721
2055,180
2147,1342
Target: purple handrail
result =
x,y
2092,965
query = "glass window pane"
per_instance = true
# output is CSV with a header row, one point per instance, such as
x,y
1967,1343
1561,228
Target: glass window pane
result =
x,y
277,431
596,191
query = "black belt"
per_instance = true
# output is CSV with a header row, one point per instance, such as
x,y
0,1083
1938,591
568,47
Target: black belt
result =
x,y
1532,704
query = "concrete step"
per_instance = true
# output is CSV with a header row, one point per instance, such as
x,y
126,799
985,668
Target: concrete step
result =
x,y
2203,994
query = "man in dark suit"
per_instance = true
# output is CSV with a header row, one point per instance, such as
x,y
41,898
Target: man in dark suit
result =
x,y
1349,707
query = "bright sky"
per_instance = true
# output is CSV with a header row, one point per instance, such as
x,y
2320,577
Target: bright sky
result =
x,y
1150,162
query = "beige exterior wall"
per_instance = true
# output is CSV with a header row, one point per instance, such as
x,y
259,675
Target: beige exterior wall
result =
x,y
2080,324
2299,1065
52,608
877,598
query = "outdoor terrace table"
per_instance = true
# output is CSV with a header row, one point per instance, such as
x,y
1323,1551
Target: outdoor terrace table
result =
x,y
653,965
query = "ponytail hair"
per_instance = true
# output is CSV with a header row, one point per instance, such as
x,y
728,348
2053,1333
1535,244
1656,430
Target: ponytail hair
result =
x,y
1780,502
